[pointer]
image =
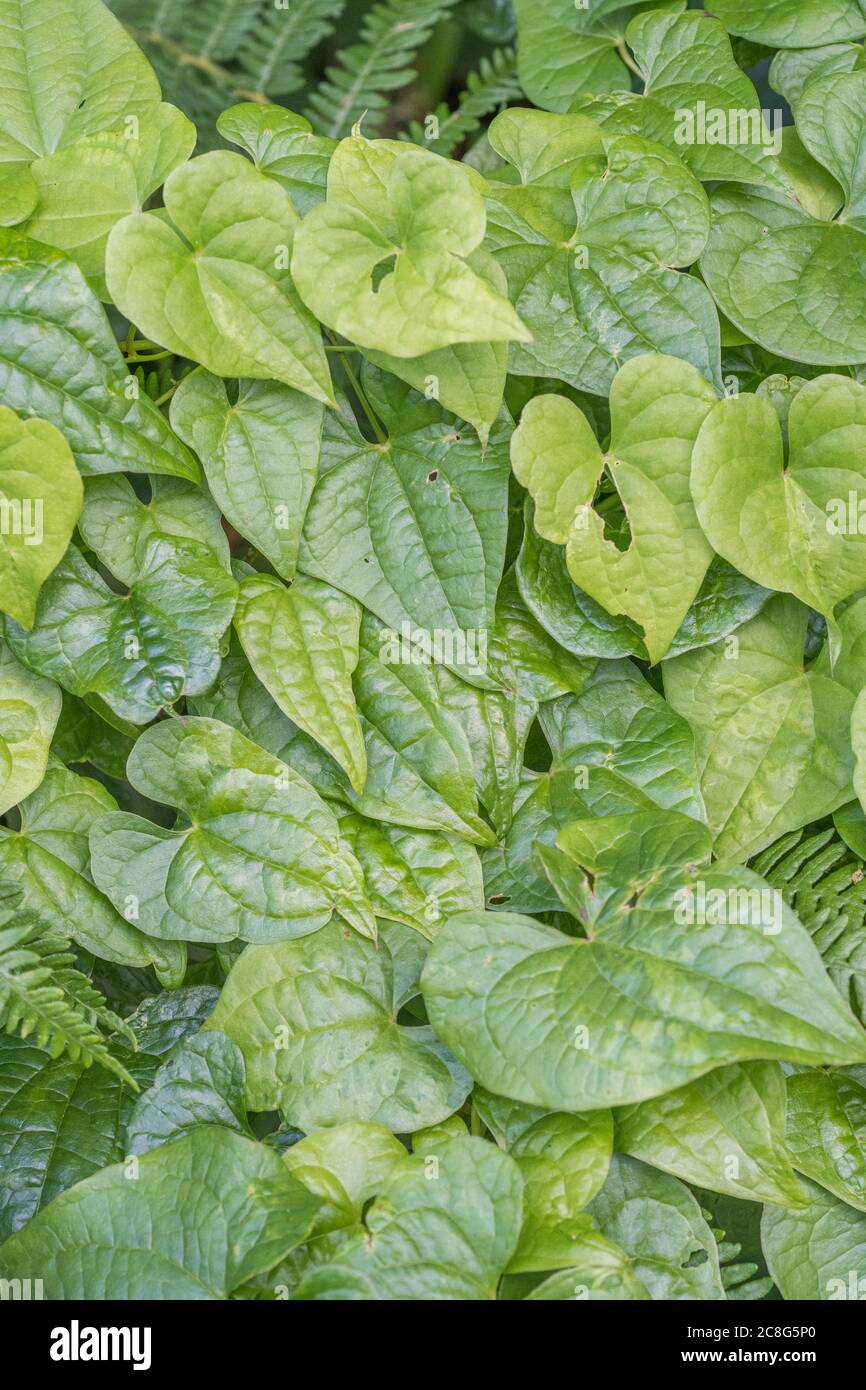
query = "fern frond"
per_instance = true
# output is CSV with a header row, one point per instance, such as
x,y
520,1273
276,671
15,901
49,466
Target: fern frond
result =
x,y
738,1276
489,89
825,884
217,29
273,49
43,995
380,63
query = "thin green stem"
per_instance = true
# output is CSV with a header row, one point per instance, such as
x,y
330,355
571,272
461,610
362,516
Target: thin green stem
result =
x,y
161,400
629,61
375,424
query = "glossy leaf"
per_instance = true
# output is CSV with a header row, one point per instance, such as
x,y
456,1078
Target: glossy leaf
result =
x,y
205,1214
212,281
494,981
327,1008
261,857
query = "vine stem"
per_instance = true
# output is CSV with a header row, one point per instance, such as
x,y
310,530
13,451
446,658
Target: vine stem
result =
x,y
375,424
629,61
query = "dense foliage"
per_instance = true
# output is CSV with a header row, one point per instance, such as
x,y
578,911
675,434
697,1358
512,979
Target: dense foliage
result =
x,y
433,671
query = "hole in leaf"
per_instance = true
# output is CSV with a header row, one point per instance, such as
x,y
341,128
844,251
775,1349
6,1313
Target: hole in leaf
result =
x,y
381,270
697,1257
433,475
500,898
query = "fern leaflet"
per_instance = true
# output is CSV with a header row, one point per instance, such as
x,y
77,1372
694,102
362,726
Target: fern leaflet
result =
x,y
274,47
42,993
364,75
825,884
489,89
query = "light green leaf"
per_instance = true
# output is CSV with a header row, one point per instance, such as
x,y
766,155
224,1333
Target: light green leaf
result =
x,y
725,1132
115,519
771,734
573,619
564,49
316,1021
261,858
467,378
49,857
792,23
556,457
818,1253
385,260
590,248
205,1214
601,1271
141,651
793,69
658,1223
416,531
415,877
714,117
344,1167
85,188
815,189
564,1161
620,728
642,1006
658,405
18,195
302,643
211,280
282,145
29,710
826,1134
40,499
448,1239
60,355
794,285
789,524
260,456
831,122
202,1083
70,69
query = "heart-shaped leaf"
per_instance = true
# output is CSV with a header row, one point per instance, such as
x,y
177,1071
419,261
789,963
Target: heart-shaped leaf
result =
x,y
29,710
794,524
211,281
445,1239
596,282
725,1132
658,405
203,1216
60,355
40,500
772,734
260,456
138,652
385,260
260,859
327,1007
302,644
496,982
